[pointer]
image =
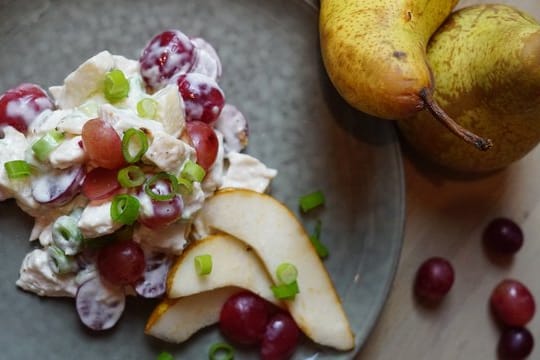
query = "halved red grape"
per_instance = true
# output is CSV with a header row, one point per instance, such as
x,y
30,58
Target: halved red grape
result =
x,y
20,106
243,318
205,142
280,338
99,306
58,187
503,235
166,55
512,303
121,263
234,127
159,213
207,60
515,344
434,279
154,281
100,183
102,144
203,98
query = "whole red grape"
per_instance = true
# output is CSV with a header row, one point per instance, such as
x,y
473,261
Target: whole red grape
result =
x,y
512,303
515,344
503,235
121,263
434,279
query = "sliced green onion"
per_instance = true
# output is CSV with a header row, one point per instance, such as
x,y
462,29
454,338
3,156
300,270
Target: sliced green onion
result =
x,y
285,291
171,179
131,176
185,187
134,140
310,201
315,238
59,262
116,86
17,169
66,235
203,264
192,171
125,209
221,351
46,144
147,108
165,356
286,273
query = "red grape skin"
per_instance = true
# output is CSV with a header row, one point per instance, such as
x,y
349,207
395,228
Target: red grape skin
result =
x,y
280,338
202,97
434,279
167,54
205,142
102,144
121,263
243,318
512,303
20,106
515,344
100,184
503,235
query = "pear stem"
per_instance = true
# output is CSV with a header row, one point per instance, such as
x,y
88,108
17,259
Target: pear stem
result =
x,y
439,114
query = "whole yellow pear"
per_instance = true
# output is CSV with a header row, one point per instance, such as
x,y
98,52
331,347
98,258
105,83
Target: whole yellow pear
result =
x,y
374,52
486,60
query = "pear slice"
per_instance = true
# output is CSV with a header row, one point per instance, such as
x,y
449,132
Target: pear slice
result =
x,y
233,264
176,320
275,234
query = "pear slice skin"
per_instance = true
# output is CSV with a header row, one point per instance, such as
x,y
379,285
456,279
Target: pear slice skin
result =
x,y
275,234
233,264
176,320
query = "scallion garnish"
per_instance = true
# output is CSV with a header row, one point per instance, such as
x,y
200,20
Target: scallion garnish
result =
x,y
17,169
315,238
134,145
221,351
286,273
125,209
203,264
66,235
310,201
192,171
147,108
165,356
185,187
285,291
46,144
59,262
116,86
131,176
156,192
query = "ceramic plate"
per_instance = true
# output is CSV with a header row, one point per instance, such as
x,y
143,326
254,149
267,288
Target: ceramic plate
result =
x,y
272,71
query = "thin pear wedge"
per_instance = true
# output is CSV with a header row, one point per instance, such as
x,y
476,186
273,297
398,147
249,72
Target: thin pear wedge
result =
x,y
374,52
275,234
233,264
176,320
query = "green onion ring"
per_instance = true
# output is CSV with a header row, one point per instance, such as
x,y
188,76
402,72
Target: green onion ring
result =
x,y
139,137
131,176
286,273
310,201
193,171
171,179
185,187
116,86
203,264
59,262
221,351
46,144
125,209
17,169
147,108
285,291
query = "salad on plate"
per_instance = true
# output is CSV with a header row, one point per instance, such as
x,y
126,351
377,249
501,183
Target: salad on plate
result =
x,y
117,166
